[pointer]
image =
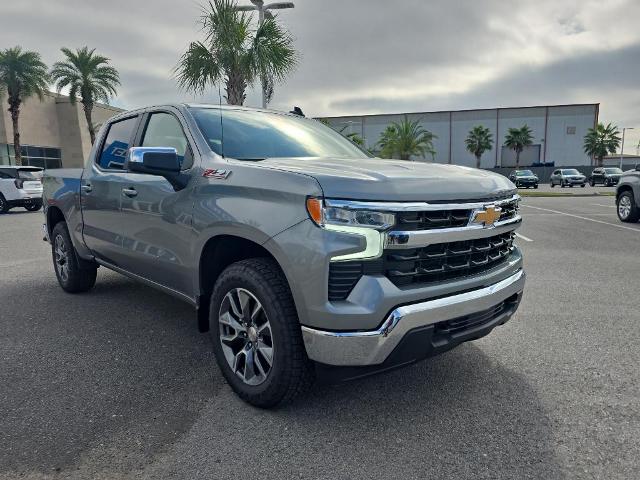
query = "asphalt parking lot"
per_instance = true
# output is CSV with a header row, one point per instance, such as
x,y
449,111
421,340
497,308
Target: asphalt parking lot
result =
x,y
118,383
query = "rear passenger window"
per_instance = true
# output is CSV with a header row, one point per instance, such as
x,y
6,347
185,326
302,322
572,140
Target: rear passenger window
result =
x,y
117,143
164,130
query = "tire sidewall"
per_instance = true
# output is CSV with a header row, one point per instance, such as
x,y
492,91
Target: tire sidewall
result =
x,y
631,200
236,277
61,230
4,206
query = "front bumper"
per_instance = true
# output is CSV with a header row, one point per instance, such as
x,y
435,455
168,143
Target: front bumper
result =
x,y
375,347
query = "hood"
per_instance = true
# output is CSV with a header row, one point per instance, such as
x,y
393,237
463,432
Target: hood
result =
x,y
396,180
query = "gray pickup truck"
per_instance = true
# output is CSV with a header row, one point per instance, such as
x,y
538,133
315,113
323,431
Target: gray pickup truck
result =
x,y
628,195
304,257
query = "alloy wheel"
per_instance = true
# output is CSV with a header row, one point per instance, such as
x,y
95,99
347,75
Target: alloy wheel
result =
x,y
246,336
624,207
61,258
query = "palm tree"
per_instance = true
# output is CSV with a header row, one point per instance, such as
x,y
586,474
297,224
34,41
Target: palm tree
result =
x,y
22,74
235,52
479,141
406,139
518,138
89,75
601,141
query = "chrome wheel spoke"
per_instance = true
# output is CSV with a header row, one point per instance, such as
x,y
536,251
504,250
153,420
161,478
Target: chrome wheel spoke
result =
x,y
266,352
245,336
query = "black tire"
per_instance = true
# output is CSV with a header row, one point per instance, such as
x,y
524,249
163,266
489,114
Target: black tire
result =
x,y
634,211
552,184
79,275
291,372
33,207
592,183
582,186
561,184
4,206
535,186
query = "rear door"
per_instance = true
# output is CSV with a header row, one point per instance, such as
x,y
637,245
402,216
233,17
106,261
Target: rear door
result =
x,y
101,191
156,216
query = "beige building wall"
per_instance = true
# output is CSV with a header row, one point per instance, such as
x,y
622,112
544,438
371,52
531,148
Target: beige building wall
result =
x,y
54,122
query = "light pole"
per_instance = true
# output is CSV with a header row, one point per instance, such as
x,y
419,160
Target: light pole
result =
x,y
263,12
622,145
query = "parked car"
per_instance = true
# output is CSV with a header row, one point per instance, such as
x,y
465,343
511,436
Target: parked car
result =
x,y
628,196
303,256
607,176
567,177
524,178
20,187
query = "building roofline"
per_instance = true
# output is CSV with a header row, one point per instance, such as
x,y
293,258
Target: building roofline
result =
x,y
463,110
60,96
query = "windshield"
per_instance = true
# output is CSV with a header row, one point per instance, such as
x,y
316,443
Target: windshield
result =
x,y
612,170
524,173
254,135
571,171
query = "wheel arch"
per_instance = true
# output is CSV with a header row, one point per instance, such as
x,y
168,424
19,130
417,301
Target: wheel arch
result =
x,y
54,216
218,253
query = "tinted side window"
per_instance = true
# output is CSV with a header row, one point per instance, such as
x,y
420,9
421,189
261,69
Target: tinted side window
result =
x,y
164,130
116,144
4,174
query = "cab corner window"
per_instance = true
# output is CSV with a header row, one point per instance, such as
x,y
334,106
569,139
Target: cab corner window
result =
x,y
116,144
164,130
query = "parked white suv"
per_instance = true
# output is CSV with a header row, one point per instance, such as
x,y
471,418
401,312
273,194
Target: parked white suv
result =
x,y
20,187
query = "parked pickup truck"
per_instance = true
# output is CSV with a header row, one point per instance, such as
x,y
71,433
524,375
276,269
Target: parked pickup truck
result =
x,y
628,196
303,256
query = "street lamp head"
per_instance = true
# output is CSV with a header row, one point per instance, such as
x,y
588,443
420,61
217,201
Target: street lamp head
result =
x,y
279,5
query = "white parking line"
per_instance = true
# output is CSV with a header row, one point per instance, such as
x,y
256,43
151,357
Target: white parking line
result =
x,y
637,230
601,205
526,239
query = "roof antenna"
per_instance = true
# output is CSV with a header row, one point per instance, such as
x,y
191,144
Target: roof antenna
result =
x,y
297,111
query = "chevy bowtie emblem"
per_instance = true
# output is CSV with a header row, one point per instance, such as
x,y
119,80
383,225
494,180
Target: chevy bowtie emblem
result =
x,y
487,217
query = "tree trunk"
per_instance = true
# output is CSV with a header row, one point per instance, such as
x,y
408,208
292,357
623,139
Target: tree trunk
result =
x,y
14,109
88,108
235,87
404,156
478,157
600,161
517,159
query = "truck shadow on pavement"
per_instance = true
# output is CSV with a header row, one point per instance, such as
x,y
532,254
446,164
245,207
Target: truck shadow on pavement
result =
x,y
120,381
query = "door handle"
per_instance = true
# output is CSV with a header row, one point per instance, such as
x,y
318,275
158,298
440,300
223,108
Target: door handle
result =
x,y
86,188
130,192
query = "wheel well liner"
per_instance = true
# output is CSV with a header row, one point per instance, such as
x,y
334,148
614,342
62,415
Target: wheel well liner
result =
x,y
54,216
622,189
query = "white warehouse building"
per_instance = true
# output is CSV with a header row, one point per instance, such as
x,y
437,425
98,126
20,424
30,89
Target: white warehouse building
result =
x,y
558,133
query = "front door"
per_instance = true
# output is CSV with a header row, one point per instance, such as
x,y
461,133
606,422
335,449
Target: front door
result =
x,y
155,215
100,193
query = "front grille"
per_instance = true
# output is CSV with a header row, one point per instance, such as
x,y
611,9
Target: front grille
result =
x,y
434,263
436,219
429,220
444,261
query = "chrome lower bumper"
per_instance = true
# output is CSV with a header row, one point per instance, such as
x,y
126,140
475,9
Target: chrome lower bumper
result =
x,y
372,347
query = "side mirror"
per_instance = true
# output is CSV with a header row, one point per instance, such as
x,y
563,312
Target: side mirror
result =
x,y
160,161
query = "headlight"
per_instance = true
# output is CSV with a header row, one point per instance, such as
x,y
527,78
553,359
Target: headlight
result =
x,y
347,217
344,213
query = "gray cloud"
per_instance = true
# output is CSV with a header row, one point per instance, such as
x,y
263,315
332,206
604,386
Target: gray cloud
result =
x,y
362,56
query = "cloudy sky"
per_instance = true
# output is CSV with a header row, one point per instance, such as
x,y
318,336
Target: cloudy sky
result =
x,y
368,56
